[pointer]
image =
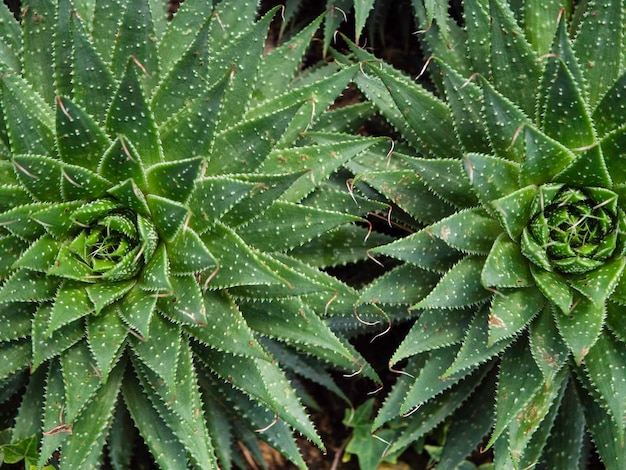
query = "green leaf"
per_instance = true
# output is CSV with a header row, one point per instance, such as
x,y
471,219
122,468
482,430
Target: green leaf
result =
x,y
181,409
514,210
504,122
279,66
398,286
589,169
469,231
80,378
604,432
15,357
291,226
433,330
167,450
28,286
475,348
130,116
265,383
136,310
53,414
425,418
605,365
121,162
545,158
168,216
513,62
237,263
227,330
594,46
554,287
481,170
430,383
93,81
406,189
446,178
63,49
609,114
428,117
564,448
41,176
581,327
542,408
506,266
135,39
468,426
80,140
459,287
423,250
188,254
599,284
184,304
190,68
190,17
70,303
84,448
565,116
106,335
539,22
317,163
160,352
173,180
465,100
512,311
38,28
241,59
244,146
103,294
191,131
47,346
26,114
295,323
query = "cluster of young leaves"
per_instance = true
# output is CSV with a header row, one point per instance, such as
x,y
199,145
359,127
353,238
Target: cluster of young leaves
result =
x,y
162,228
516,185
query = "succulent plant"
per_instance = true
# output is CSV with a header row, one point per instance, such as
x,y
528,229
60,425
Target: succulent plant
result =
x,y
158,218
514,197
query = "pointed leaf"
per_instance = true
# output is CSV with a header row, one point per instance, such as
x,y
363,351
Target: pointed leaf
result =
x,y
168,216
459,287
79,138
26,114
130,116
514,210
595,49
93,81
506,266
160,352
47,346
137,308
38,28
518,382
227,329
185,304
80,378
545,158
136,39
423,250
512,311
582,327
71,303
106,335
173,180
565,117
513,62
469,231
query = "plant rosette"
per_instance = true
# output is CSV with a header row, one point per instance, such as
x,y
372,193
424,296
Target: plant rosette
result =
x,y
152,202
516,268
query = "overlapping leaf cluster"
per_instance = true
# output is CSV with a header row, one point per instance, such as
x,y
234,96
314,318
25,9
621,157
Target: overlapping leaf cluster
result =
x,y
156,261
516,189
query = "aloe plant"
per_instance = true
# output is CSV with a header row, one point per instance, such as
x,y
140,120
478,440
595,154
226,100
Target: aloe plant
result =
x,y
513,199
158,218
